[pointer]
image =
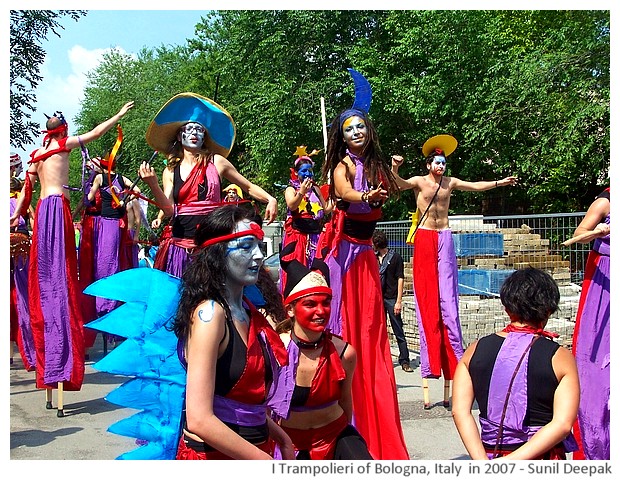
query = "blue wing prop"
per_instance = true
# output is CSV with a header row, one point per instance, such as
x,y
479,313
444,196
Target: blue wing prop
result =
x,y
363,91
148,355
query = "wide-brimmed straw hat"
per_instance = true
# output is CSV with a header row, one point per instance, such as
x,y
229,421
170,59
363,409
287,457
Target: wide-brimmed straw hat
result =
x,y
190,107
447,143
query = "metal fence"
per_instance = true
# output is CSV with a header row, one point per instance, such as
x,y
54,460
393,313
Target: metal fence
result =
x,y
488,249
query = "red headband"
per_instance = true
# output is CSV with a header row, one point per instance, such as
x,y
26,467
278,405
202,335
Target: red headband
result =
x,y
254,230
318,289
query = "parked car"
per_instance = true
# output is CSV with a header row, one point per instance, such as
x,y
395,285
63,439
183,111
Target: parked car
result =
x,y
272,265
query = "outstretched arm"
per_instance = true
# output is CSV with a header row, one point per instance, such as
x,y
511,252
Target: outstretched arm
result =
x,y
230,173
458,184
99,130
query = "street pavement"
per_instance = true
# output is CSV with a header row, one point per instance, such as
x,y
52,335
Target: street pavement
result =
x,y
81,434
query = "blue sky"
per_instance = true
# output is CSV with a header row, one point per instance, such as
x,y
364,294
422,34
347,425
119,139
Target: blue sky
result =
x,y
83,43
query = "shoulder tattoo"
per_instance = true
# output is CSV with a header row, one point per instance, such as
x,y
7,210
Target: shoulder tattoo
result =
x,y
205,314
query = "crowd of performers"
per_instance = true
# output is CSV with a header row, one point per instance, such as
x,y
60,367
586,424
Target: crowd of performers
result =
x,y
304,372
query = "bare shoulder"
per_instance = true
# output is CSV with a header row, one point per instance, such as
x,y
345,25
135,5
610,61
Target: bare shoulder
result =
x,y
563,362
220,160
209,312
350,354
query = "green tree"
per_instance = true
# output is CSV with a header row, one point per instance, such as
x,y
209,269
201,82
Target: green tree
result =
x,y
28,29
524,92
150,80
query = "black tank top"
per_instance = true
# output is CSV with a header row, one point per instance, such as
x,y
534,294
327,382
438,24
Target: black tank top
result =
x,y
184,226
106,197
541,379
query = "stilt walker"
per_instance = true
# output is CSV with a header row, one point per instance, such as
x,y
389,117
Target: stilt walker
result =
x,y
435,269
55,312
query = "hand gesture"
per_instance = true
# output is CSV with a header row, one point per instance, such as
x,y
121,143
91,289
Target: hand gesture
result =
x,y
397,161
377,194
147,173
271,212
305,186
504,182
156,223
128,106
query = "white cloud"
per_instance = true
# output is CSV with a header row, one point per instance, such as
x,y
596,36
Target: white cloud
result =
x,y
62,88
65,92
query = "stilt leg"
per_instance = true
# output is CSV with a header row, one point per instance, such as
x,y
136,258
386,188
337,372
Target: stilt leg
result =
x,y
427,401
105,343
61,412
48,398
446,394
12,349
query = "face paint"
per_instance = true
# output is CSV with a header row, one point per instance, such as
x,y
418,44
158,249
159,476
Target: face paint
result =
x,y
354,132
313,312
192,135
438,165
244,257
305,171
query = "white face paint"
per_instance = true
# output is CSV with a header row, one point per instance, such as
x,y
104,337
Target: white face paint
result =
x,y
354,132
244,257
438,165
192,135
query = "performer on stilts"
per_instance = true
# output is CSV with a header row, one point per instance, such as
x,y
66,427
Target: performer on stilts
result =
x,y
196,135
435,270
591,337
305,210
21,331
56,316
360,179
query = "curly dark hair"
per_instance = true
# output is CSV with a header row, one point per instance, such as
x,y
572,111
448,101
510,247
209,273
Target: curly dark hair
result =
x,y
205,274
531,295
379,239
376,165
273,299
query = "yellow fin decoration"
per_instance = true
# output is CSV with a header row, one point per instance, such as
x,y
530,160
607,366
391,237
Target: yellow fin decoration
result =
x,y
415,218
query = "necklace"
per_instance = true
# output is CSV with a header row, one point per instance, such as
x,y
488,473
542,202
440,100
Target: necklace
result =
x,y
307,345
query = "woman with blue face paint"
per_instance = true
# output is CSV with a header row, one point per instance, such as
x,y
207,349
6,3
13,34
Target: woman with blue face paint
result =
x,y
305,211
231,353
360,181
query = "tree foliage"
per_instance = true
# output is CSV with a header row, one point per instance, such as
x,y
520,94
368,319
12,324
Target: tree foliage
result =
x,y
524,92
28,29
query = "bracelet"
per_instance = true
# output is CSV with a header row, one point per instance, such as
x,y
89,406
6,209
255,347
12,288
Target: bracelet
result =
x,y
495,183
364,197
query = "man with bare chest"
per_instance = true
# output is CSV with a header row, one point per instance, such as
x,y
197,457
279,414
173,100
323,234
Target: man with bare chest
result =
x,y
55,314
435,270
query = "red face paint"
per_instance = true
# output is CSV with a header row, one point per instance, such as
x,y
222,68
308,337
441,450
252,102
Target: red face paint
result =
x,y
312,312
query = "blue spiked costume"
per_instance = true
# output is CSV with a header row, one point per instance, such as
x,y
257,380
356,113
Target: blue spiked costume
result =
x,y
149,356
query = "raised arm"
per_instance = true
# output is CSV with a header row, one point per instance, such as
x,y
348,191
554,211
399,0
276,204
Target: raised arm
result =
x,y
99,130
458,184
163,198
403,184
